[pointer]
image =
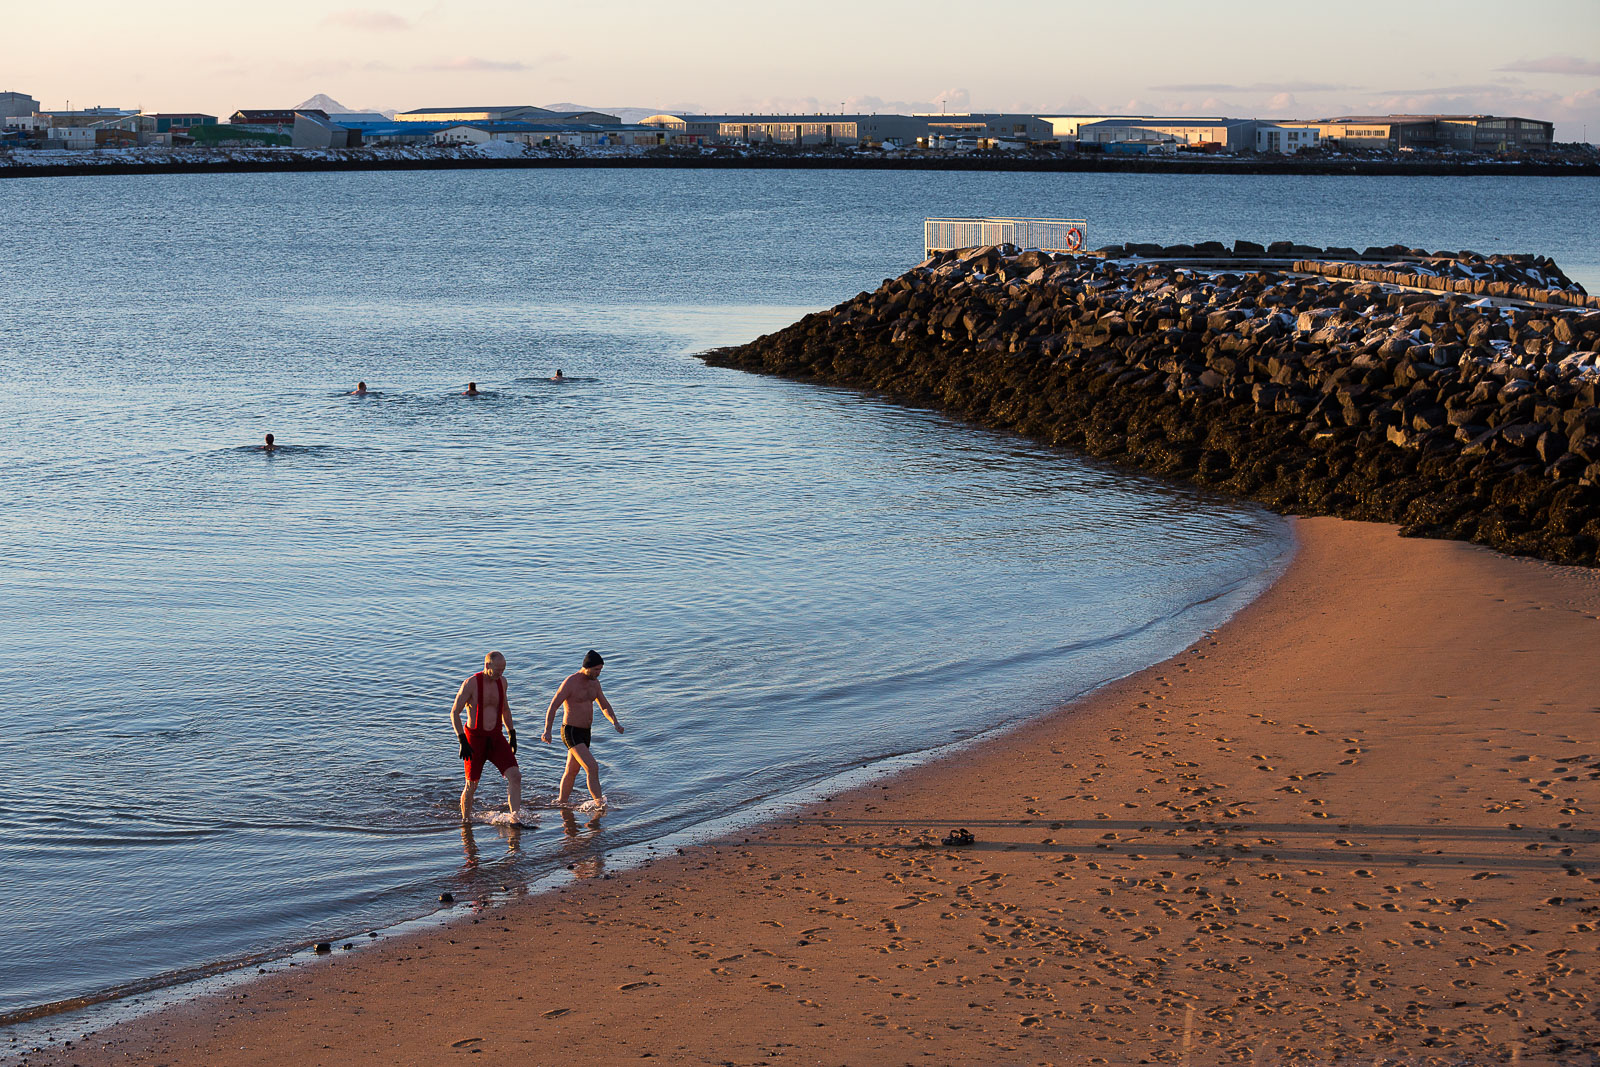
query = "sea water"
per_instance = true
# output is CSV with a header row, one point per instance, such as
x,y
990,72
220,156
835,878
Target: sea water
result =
x,y
227,673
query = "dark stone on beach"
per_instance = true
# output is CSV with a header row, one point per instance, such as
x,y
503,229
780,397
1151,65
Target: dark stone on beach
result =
x,y
1552,446
323,947
447,898
1521,434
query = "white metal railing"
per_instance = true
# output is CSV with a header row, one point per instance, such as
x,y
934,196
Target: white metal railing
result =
x,y
1049,235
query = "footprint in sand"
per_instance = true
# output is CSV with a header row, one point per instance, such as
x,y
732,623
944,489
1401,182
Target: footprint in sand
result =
x,y
774,986
556,1013
634,985
464,1042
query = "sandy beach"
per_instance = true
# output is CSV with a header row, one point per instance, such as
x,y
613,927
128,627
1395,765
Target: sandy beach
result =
x,y
1357,824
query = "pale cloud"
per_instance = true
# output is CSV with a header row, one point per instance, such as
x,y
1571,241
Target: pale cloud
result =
x,y
479,65
1208,105
1443,90
1556,65
1072,105
952,100
947,100
1570,112
372,21
1263,88
335,68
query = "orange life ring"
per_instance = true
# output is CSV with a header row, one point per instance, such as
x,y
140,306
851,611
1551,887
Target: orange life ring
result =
x,y
1074,239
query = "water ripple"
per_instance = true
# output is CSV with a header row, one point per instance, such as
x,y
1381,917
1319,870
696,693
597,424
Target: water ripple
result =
x,y
233,669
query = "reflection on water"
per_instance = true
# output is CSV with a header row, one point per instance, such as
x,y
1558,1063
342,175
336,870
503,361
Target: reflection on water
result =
x,y
504,841
248,658
579,850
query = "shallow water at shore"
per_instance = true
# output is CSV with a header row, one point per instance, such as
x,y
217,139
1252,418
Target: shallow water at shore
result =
x,y
232,669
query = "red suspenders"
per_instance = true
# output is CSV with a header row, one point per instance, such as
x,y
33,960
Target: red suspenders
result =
x,y
477,709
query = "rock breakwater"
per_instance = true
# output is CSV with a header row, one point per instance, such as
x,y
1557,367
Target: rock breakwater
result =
x,y
1451,414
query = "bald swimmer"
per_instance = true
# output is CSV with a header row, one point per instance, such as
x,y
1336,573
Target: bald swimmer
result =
x,y
483,695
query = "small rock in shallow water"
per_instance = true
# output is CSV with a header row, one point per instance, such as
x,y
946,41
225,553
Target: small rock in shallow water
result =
x,y
447,898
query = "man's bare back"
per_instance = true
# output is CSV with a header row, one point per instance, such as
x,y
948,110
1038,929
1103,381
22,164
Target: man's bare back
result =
x,y
488,717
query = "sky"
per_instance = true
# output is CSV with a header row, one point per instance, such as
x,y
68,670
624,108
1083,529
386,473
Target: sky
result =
x,y
1240,58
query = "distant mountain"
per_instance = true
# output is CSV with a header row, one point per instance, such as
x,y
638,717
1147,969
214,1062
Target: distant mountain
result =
x,y
626,114
324,102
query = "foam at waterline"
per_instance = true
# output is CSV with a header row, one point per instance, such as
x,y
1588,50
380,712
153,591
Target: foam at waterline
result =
x,y
590,805
524,817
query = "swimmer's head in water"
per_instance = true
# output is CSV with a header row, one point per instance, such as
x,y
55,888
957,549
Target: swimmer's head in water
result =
x,y
361,387
593,662
494,664
472,388
559,374
269,440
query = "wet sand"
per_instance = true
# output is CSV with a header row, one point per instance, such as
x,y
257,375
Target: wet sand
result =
x,y
1358,823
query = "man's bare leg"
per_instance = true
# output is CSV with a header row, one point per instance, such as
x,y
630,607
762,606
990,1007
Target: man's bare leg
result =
x,y
569,775
591,769
514,790
466,800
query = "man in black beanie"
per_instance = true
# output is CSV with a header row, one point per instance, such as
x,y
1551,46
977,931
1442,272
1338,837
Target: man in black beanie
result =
x,y
579,693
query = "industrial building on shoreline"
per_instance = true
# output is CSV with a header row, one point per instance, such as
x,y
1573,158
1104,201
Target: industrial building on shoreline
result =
x,y
26,124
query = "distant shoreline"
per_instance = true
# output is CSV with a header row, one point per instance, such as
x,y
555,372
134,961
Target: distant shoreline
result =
x,y
1073,165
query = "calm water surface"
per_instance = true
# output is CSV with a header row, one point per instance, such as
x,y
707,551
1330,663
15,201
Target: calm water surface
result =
x,y
228,673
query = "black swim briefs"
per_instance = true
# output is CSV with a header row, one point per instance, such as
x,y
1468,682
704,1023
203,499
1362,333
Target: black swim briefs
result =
x,y
574,735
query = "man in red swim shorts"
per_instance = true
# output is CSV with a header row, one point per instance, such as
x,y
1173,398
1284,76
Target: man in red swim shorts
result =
x,y
484,697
